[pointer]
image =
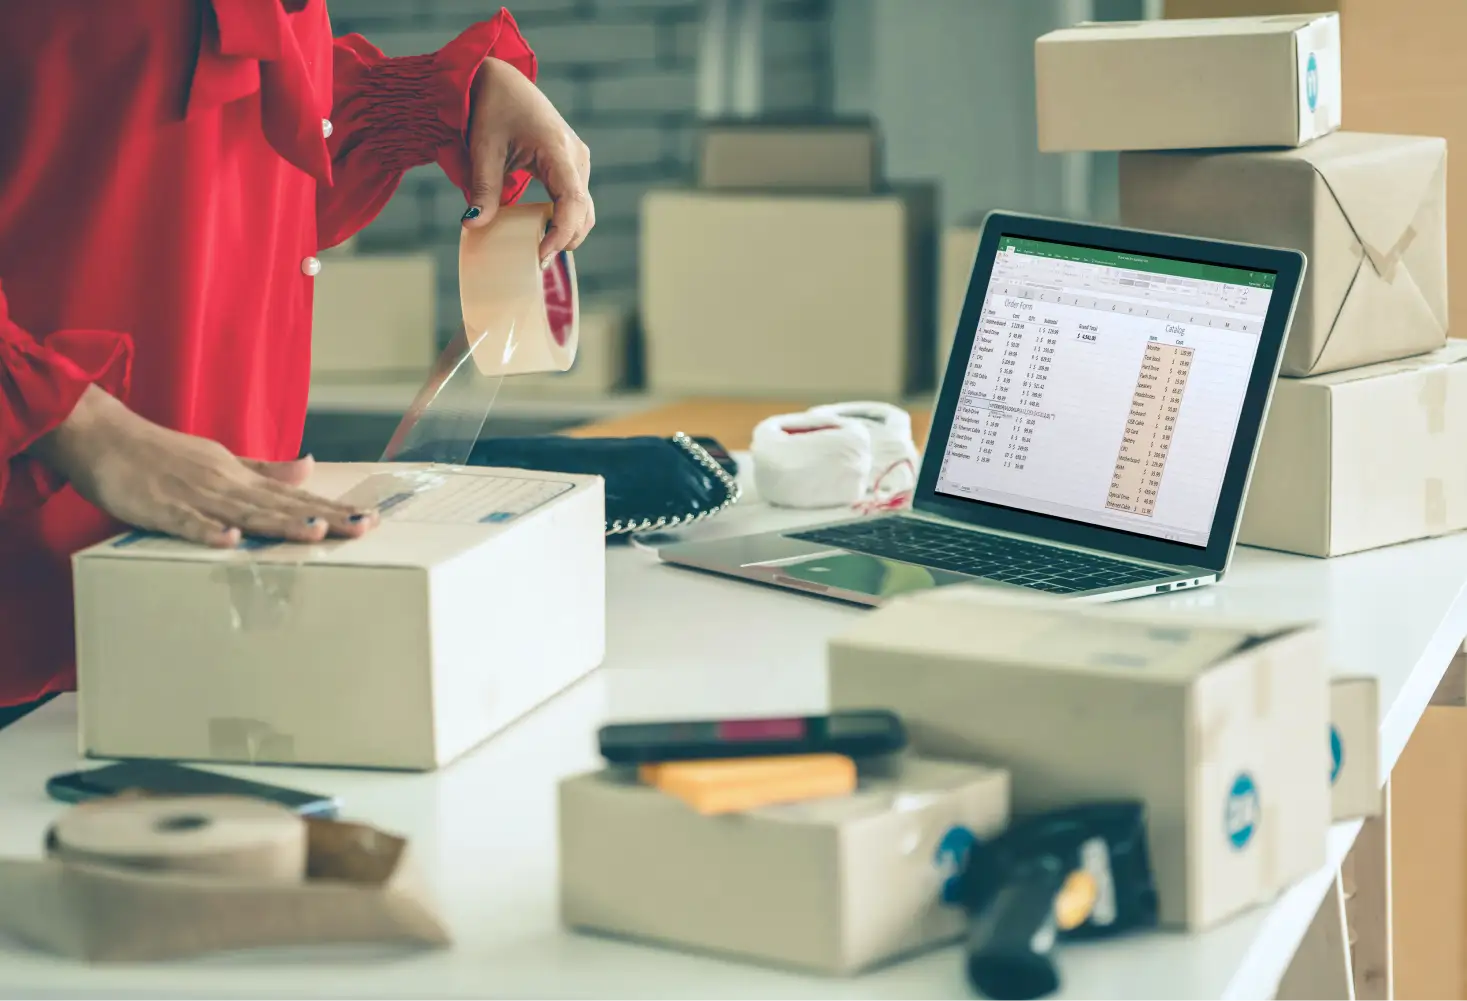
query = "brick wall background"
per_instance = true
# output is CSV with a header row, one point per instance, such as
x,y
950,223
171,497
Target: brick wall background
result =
x,y
624,73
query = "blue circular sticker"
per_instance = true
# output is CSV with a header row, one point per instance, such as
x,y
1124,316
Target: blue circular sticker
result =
x,y
1241,818
1336,754
1311,82
952,855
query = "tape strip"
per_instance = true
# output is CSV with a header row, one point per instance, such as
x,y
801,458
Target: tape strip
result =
x,y
1434,400
1435,513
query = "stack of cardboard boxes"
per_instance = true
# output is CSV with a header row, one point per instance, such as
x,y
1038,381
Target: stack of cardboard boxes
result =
x,y
1228,129
373,316
791,270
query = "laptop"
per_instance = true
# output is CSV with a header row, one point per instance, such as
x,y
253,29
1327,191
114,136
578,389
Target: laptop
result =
x,y
1094,433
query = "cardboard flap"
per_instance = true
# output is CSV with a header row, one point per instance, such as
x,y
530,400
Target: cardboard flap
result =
x,y
1383,216
1054,635
1277,24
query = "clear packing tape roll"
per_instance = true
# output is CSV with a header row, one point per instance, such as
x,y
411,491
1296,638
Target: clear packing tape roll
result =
x,y
517,320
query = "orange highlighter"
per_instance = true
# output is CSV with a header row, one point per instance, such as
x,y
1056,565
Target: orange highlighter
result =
x,y
732,785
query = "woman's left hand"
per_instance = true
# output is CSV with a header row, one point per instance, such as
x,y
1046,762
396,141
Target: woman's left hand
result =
x,y
513,126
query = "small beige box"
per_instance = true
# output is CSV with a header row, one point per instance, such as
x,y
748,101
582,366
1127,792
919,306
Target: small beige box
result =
x,y
481,595
1369,211
831,885
1205,84
1218,727
1363,458
822,297
373,316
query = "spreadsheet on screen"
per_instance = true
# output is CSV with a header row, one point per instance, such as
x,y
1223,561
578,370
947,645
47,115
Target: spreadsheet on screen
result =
x,y
1106,387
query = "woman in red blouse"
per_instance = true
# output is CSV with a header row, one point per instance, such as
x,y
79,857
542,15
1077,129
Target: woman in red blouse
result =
x,y
169,171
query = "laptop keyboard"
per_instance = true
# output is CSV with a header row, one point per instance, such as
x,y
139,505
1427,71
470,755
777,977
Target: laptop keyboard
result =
x,y
994,557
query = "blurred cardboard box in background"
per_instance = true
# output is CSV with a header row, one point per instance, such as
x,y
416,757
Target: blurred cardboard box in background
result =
x,y
959,249
1403,73
1369,211
826,156
374,317
1363,458
786,295
1141,85
602,359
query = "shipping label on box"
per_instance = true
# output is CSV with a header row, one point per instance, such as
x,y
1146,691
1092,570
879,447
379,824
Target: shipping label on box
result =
x,y
1207,84
1216,727
1363,458
832,885
1369,212
480,595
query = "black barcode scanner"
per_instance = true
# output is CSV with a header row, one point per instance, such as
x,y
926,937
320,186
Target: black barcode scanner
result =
x,y
1077,873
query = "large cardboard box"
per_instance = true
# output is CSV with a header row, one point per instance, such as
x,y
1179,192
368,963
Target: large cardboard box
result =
x,y
959,249
373,316
1403,73
1429,858
479,596
790,156
1263,81
1218,727
801,296
1369,211
1364,458
832,885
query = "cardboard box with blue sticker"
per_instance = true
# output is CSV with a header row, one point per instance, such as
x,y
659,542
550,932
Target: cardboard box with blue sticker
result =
x,y
480,595
832,885
1216,725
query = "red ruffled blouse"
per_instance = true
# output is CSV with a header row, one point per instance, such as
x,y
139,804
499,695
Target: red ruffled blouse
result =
x,y
168,172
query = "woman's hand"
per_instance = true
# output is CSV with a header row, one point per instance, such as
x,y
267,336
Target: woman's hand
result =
x,y
150,477
515,127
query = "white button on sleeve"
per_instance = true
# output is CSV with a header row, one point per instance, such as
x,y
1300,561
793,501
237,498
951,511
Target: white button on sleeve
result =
x,y
327,128
311,267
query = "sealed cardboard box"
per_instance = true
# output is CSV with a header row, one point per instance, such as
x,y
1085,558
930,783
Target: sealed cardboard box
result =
x,y
602,356
1402,74
959,248
479,596
1207,84
373,316
1217,727
831,885
1369,211
790,156
1354,748
1364,458
807,297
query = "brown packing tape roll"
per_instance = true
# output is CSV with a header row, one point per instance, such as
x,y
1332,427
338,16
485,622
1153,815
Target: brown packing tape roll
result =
x,y
226,836
517,317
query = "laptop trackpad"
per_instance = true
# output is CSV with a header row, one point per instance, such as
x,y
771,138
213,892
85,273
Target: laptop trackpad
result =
x,y
871,575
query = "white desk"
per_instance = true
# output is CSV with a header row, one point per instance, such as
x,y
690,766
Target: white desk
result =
x,y
484,829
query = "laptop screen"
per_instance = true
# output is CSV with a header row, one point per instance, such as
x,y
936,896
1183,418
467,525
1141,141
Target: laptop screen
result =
x,y
1106,387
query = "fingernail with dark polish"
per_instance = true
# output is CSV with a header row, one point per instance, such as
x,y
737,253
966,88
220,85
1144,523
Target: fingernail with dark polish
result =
x,y
472,212
313,521
356,518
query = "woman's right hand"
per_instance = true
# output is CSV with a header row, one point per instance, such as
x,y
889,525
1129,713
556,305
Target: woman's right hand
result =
x,y
150,477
